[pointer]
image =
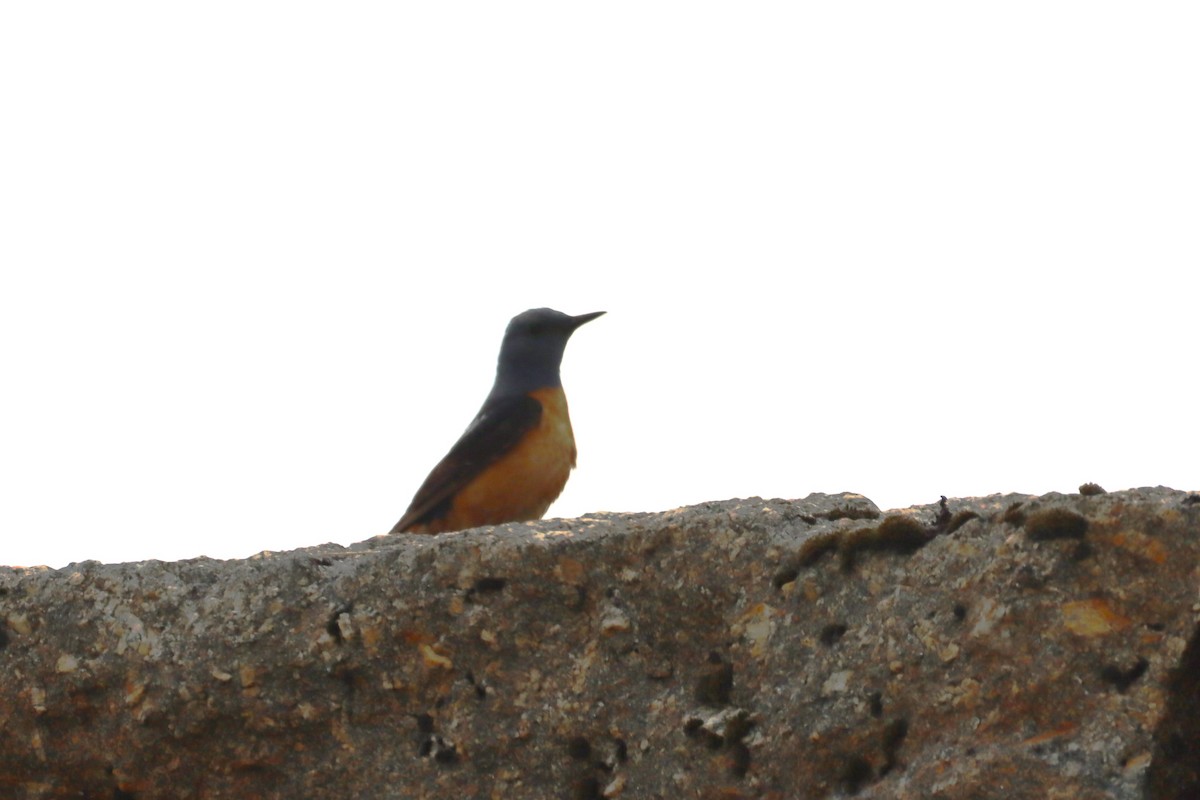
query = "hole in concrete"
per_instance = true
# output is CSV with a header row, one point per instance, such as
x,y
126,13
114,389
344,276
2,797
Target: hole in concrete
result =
x,y
332,627
784,577
855,772
1174,770
479,686
715,683
1124,678
490,584
739,759
831,633
579,748
446,753
588,789
893,736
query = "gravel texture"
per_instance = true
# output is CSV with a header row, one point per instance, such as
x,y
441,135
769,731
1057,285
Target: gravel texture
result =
x,y
998,647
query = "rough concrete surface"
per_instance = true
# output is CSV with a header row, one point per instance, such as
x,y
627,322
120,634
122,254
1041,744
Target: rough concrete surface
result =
x,y
998,647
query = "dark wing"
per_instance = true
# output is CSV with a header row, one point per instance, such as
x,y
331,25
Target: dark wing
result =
x,y
497,428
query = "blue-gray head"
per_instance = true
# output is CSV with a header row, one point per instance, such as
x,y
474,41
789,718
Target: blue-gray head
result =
x,y
533,349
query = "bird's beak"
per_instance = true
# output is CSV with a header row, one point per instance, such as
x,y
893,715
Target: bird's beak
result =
x,y
582,318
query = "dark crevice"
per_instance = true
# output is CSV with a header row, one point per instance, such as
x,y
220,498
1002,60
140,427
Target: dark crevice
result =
x,y
854,774
118,793
739,759
579,748
479,686
488,585
715,683
1174,770
333,628
580,601
832,633
785,576
588,789
725,736
445,753
893,736
1124,678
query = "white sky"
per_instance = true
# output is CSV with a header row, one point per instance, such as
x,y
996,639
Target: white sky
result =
x,y
257,257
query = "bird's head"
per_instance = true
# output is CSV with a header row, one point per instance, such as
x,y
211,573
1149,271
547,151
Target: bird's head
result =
x,y
533,349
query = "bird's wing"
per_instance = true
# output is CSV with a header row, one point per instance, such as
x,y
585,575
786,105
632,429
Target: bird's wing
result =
x,y
497,428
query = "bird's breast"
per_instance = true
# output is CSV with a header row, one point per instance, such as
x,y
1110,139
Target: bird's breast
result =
x,y
523,483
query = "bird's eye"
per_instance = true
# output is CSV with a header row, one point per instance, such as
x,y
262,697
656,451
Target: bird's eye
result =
x,y
535,329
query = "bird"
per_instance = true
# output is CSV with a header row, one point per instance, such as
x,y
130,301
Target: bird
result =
x,y
514,458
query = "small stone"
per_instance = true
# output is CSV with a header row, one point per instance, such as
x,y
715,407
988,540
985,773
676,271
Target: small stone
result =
x,y
134,693
837,682
1093,617
614,621
434,659
345,626
757,626
569,570
991,613
1138,763
725,720
20,624
248,675
615,786
66,663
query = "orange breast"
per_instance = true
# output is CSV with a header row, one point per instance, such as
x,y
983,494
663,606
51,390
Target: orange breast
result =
x,y
522,484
